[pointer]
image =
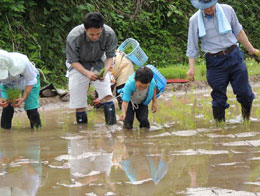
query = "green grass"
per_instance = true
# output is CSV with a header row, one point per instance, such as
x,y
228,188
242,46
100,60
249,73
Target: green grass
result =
x,y
179,71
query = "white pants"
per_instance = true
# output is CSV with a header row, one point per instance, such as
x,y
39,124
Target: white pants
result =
x,y
78,87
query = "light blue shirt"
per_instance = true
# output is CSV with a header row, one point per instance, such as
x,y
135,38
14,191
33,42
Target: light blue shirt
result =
x,y
130,88
213,41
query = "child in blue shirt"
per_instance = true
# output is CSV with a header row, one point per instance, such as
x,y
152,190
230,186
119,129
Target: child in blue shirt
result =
x,y
139,90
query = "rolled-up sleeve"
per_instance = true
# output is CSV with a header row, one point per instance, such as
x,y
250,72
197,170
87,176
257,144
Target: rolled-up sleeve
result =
x,y
72,50
193,39
30,74
235,24
111,45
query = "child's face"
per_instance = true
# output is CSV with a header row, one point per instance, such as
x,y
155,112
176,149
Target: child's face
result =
x,y
141,86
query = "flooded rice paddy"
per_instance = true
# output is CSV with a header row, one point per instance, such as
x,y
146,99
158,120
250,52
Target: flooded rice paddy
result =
x,y
184,153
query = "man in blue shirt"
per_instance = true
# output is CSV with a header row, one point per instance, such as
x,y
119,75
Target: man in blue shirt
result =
x,y
218,29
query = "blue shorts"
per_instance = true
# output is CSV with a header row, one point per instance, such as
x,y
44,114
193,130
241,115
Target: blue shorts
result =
x,y
32,101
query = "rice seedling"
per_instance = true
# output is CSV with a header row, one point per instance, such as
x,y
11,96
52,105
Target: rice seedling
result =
x,y
13,94
128,49
257,113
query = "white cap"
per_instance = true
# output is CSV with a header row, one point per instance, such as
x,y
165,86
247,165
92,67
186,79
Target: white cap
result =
x,y
4,64
18,63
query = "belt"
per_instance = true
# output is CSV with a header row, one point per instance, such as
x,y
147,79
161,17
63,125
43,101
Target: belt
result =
x,y
225,52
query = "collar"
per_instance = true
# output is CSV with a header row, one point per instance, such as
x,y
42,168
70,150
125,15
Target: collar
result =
x,y
209,16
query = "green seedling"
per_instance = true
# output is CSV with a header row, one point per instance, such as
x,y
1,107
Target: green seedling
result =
x,y
257,57
128,49
13,94
101,73
91,98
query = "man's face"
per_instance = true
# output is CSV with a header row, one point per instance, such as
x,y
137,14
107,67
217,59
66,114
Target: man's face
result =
x,y
140,85
94,33
210,11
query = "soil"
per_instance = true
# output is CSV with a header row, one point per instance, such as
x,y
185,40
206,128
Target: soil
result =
x,y
56,102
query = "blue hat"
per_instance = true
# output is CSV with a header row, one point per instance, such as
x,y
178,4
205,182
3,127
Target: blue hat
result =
x,y
203,4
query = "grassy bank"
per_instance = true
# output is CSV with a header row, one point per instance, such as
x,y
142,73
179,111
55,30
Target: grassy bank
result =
x,y
179,71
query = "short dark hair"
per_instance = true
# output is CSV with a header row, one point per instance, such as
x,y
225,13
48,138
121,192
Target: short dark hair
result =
x,y
93,20
144,75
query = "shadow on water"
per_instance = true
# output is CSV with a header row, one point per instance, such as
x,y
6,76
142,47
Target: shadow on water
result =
x,y
184,153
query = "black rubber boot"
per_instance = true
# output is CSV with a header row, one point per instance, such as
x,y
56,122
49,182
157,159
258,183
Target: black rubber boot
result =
x,y
119,101
110,114
128,125
219,114
246,109
81,117
7,116
34,118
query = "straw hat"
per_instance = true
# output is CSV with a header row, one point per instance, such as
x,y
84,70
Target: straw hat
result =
x,y
203,4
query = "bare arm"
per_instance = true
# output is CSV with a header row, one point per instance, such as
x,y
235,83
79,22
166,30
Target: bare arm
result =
x,y
124,109
243,39
108,63
191,71
154,105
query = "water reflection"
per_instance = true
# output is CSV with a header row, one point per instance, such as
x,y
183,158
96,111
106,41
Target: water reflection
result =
x,y
171,159
20,166
139,165
90,163
102,162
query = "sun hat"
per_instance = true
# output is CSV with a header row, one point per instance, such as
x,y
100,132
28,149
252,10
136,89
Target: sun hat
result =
x,y
13,63
203,4
18,63
4,64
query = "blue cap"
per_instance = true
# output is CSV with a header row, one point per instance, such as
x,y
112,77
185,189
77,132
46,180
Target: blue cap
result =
x,y
203,4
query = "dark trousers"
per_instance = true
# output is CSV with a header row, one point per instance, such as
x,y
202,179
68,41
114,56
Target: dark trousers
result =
x,y
141,115
224,69
7,117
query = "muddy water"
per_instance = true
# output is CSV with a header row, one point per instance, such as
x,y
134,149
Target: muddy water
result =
x,y
184,153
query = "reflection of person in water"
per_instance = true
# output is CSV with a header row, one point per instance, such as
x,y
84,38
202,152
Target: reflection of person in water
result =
x,y
20,168
90,162
140,166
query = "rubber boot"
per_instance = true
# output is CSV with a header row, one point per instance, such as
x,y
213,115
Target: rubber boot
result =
x,y
246,109
110,114
219,114
119,101
7,116
34,118
81,117
127,125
